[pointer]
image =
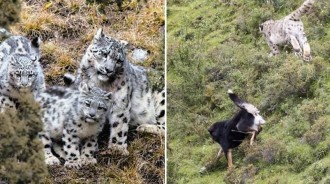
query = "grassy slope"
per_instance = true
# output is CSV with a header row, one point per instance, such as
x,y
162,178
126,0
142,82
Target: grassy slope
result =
x,y
215,45
66,28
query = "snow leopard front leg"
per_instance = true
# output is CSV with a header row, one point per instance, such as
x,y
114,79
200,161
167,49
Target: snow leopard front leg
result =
x,y
305,45
119,119
159,104
71,148
88,150
274,47
295,44
50,159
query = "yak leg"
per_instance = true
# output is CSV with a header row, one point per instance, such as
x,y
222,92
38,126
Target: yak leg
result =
x,y
212,162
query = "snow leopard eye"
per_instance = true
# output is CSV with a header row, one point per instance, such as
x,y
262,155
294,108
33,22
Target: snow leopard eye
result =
x,y
87,103
94,50
120,61
18,74
31,75
105,53
101,108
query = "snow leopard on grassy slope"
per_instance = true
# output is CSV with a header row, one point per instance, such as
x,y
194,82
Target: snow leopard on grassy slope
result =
x,y
75,118
20,69
289,29
105,64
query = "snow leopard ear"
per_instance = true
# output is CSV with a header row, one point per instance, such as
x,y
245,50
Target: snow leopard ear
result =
x,y
99,34
12,60
108,95
84,87
35,42
124,44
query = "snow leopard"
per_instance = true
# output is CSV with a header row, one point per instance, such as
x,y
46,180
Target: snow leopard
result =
x,y
105,64
72,121
289,29
20,70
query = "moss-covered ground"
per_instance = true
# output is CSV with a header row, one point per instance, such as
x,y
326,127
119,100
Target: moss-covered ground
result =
x,y
216,45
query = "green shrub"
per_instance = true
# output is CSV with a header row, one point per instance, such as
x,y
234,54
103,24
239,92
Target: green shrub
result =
x,y
291,78
317,132
322,149
244,175
9,13
21,155
299,156
318,171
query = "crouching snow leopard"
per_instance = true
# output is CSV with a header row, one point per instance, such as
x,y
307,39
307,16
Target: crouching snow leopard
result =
x,y
105,64
72,121
20,70
289,29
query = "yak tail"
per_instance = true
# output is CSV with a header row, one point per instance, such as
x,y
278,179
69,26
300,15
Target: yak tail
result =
x,y
242,104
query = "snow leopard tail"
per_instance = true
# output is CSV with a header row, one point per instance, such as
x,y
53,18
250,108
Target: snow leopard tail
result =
x,y
303,9
159,103
58,91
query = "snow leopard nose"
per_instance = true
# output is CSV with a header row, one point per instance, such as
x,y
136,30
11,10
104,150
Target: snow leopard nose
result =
x,y
24,82
108,70
92,113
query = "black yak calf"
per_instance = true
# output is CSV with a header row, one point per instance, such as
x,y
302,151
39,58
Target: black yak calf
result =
x,y
231,133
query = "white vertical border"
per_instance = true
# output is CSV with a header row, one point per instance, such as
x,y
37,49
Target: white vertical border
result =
x,y
165,57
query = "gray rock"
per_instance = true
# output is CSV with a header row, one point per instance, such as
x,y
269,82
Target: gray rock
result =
x,y
140,55
4,32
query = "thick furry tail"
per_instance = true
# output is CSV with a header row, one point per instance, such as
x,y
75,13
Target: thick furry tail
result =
x,y
159,103
58,91
303,9
242,104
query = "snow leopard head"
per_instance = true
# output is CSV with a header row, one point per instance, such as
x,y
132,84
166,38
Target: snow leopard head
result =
x,y
105,57
93,103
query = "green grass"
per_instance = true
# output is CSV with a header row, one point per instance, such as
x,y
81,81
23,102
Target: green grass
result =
x,y
216,45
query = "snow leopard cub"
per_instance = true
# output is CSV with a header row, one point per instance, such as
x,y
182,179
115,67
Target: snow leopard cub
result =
x,y
20,70
75,118
105,64
289,29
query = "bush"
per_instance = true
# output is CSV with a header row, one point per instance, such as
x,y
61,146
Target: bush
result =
x,y
291,79
244,175
21,154
299,156
318,171
317,132
11,14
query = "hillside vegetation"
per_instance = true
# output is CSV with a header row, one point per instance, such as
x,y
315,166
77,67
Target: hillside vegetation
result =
x,y
216,45
66,28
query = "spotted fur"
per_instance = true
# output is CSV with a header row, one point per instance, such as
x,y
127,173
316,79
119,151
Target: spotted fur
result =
x,y
289,29
20,70
75,117
105,64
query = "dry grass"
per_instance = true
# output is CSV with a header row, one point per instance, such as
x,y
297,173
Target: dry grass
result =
x,y
145,164
66,28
